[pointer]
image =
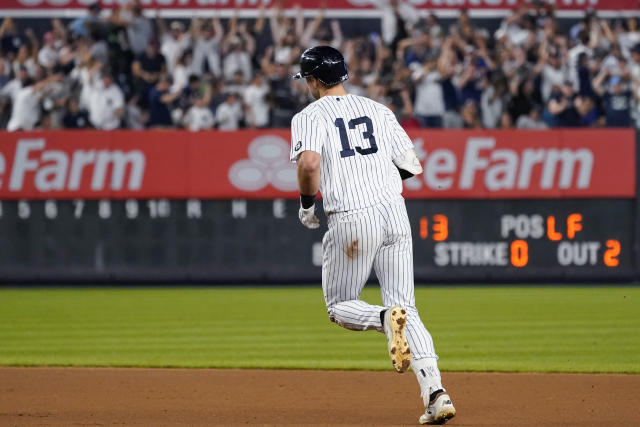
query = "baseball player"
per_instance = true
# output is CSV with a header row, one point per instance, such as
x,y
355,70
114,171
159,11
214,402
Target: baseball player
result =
x,y
354,151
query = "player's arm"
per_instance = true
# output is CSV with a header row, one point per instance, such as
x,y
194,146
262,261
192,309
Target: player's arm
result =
x,y
403,154
307,139
309,173
309,183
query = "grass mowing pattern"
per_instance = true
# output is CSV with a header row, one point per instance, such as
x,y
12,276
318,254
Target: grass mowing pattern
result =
x,y
549,329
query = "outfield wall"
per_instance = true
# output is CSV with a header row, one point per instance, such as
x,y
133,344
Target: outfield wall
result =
x,y
174,206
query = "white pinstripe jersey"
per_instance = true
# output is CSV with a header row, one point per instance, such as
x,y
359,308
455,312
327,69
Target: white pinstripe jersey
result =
x,y
357,139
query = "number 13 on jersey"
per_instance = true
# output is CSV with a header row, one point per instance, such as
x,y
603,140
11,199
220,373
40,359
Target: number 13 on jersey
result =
x,y
347,151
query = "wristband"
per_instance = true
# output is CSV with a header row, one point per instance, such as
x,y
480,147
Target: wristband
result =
x,y
307,201
404,174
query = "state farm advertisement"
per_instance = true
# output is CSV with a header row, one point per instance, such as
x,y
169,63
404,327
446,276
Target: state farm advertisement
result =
x,y
312,4
254,164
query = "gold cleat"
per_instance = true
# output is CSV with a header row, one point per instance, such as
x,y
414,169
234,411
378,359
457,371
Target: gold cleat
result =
x,y
395,320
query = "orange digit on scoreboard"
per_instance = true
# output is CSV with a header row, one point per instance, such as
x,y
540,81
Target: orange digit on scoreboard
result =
x,y
440,227
611,254
424,227
519,253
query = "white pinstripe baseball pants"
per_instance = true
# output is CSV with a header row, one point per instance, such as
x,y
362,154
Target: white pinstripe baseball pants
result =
x,y
378,237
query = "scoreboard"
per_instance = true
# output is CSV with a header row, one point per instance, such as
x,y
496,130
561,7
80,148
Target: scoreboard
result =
x,y
262,240
524,239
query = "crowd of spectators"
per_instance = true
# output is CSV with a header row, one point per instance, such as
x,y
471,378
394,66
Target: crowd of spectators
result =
x,y
123,69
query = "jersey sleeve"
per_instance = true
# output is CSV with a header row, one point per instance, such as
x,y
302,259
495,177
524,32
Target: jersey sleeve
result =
x,y
306,135
401,141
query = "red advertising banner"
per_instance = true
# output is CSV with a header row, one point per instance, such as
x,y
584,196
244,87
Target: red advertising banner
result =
x,y
254,164
331,4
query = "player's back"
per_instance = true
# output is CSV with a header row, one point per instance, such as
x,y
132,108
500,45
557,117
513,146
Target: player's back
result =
x,y
357,138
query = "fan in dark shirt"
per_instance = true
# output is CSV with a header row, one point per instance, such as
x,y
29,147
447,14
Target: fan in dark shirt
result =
x,y
617,104
159,100
74,118
147,69
561,107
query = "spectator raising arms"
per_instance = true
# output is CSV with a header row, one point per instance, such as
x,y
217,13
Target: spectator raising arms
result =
x,y
238,47
173,42
233,72
26,109
207,47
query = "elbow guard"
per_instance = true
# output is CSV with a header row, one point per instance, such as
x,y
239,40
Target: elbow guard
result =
x,y
408,164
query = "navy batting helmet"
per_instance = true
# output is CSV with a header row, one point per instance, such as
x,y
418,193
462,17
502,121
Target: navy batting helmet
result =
x,y
325,64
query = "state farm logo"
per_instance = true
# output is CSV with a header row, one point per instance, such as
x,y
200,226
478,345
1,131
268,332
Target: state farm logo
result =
x,y
502,168
227,3
55,170
268,163
159,3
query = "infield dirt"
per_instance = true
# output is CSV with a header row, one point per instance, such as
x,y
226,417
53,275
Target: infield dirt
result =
x,y
159,397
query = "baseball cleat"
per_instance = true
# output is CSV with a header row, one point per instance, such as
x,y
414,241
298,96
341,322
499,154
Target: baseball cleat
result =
x,y
395,320
439,409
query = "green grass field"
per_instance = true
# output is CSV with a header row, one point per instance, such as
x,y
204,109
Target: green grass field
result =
x,y
548,329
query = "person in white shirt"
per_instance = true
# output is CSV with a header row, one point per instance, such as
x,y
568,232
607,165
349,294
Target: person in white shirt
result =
x,y
257,106
26,110
514,28
86,73
25,60
11,89
182,71
106,103
554,73
173,43
630,36
614,61
429,103
199,116
207,45
491,102
394,12
229,113
236,59
49,55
